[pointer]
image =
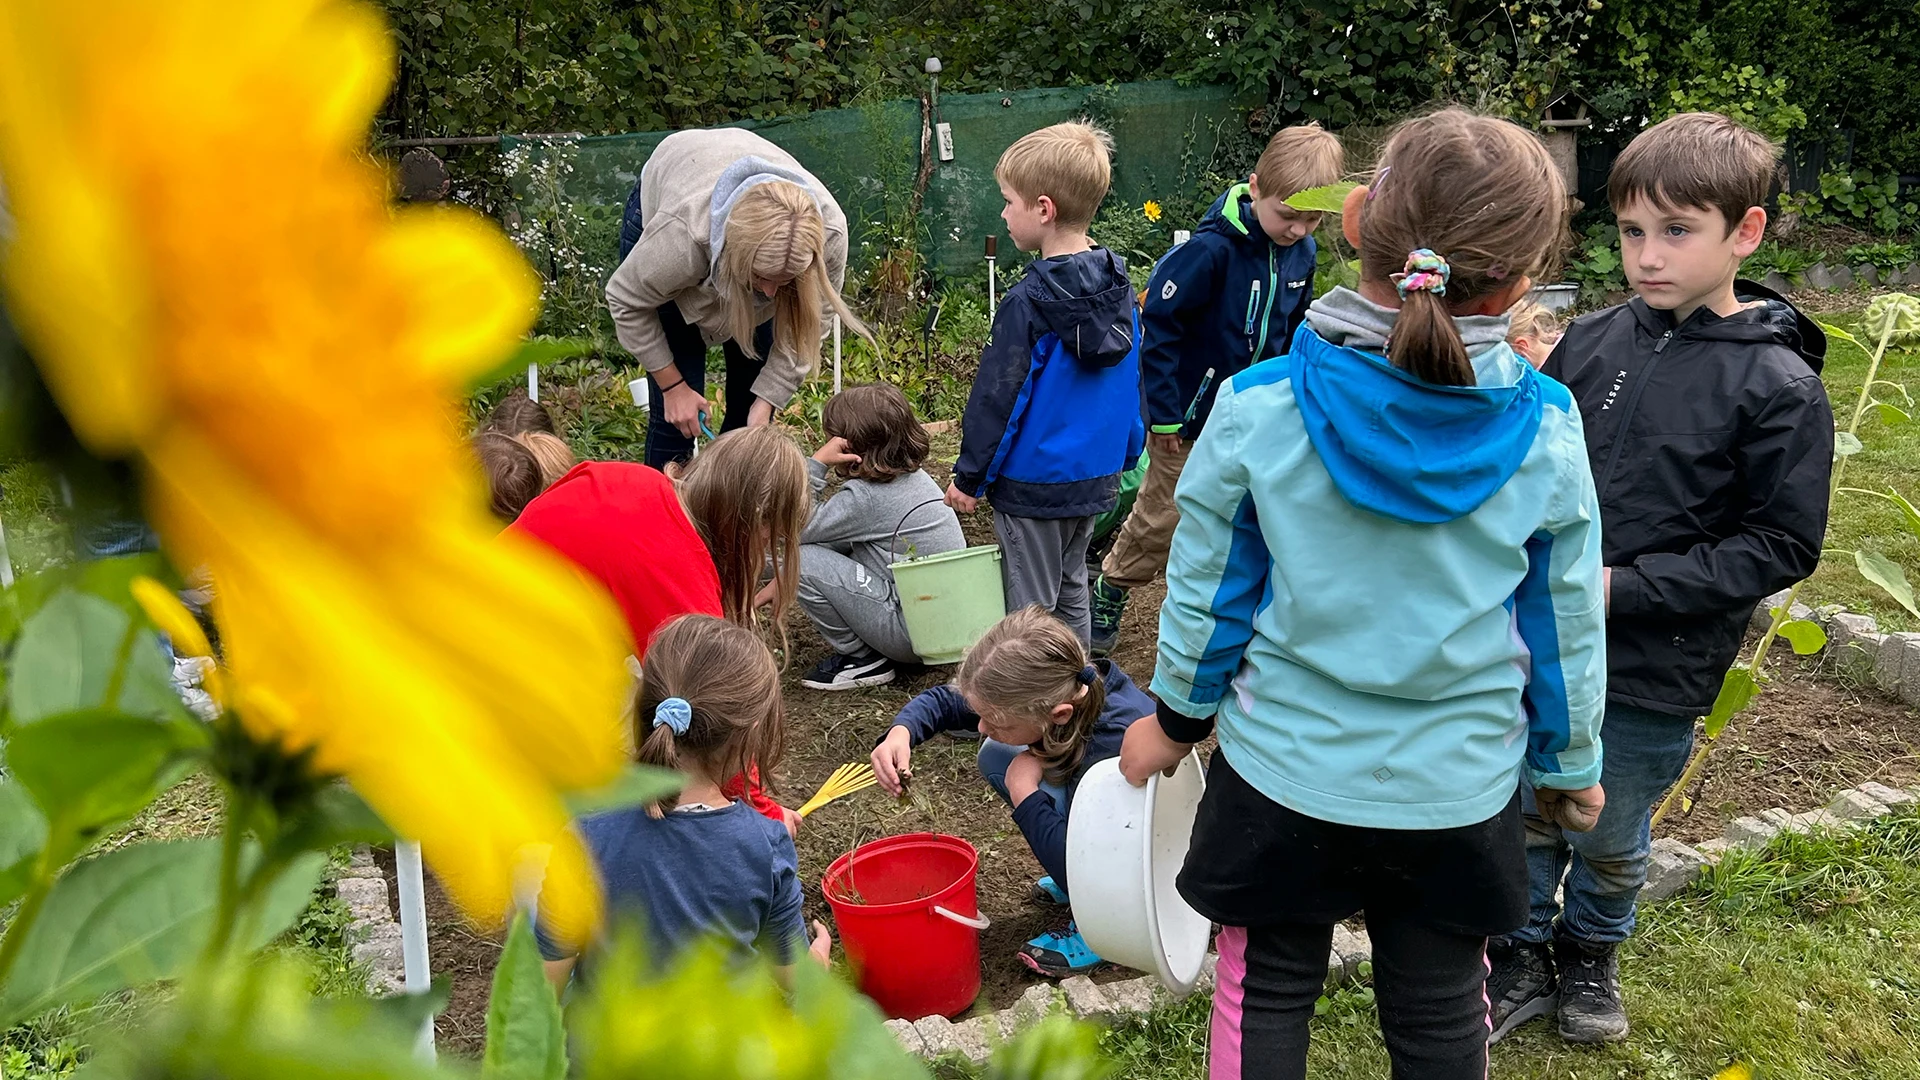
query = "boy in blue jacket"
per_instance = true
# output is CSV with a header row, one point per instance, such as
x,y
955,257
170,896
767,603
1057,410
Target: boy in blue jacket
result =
x,y
1217,304
1055,414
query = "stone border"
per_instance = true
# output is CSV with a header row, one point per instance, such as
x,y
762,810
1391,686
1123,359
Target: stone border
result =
x,y
1839,278
374,933
1855,643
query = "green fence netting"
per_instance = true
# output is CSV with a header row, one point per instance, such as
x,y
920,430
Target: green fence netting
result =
x,y
568,192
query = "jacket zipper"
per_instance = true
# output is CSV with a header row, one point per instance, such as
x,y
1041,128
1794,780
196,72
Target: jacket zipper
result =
x,y
1273,290
1253,309
1626,414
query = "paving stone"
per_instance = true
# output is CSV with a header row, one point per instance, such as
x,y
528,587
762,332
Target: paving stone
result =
x,y
1867,274
1889,796
908,1035
1033,1006
1671,866
1776,816
1861,654
1778,282
937,1033
361,863
1712,850
1350,949
366,897
1763,613
1816,819
1846,626
1749,833
1854,805
1133,995
974,1038
1088,1000
1896,666
381,949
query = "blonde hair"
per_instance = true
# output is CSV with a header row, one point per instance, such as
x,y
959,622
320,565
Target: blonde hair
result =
x,y
747,495
1530,320
1297,158
1026,665
1071,163
550,452
726,674
775,233
1482,194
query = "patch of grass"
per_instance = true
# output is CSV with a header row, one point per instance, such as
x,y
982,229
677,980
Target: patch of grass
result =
x,y
36,532
1802,961
1859,522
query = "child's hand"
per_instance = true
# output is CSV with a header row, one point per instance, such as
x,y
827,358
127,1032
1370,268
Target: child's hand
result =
x,y
791,820
961,501
1024,775
1574,811
1164,442
835,453
822,947
1606,590
1146,750
765,595
893,760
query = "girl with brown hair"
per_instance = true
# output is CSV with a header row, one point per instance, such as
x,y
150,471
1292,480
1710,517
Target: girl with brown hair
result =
x,y
1384,597
699,864
887,510
726,241
1047,714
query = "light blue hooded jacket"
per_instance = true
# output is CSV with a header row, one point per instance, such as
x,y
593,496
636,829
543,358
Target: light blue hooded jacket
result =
x,y
1385,592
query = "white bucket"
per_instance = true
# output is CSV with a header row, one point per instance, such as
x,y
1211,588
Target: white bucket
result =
x,y
1125,845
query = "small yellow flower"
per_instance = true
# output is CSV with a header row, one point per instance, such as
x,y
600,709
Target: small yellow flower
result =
x,y
208,273
1151,209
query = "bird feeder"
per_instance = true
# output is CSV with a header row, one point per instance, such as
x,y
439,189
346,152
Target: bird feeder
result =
x,y
1560,122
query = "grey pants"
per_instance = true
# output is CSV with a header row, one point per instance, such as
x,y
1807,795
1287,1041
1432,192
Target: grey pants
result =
x,y
1044,561
854,608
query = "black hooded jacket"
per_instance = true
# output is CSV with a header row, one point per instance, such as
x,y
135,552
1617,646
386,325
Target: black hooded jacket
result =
x,y
1712,446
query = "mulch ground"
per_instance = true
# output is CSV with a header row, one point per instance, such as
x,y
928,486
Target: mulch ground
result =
x,y
1809,735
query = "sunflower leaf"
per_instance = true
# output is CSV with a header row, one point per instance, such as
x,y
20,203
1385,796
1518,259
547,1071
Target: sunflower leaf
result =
x,y
637,784
1887,574
67,654
525,1039
1804,635
23,831
534,352
1325,199
1736,693
92,769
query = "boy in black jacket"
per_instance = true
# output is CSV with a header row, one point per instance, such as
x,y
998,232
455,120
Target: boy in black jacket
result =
x,y
1225,300
1711,443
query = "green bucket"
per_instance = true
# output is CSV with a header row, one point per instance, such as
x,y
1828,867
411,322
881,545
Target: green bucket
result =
x,y
949,600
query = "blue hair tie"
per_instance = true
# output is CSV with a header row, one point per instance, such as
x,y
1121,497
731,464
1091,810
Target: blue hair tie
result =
x,y
675,713
1089,675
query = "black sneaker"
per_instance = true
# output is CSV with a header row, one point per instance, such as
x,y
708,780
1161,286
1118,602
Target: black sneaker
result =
x,y
1520,984
842,672
1109,603
1590,1008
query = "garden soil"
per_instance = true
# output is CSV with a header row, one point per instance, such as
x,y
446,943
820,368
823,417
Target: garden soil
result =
x,y
1810,734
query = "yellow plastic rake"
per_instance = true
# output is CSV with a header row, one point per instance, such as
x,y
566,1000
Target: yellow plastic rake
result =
x,y
845,780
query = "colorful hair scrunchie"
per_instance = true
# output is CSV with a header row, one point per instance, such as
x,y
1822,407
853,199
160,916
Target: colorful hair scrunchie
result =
x,y
1426,272
675,713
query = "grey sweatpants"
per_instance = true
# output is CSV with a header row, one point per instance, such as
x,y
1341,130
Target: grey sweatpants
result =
x,y
1044,561
854,608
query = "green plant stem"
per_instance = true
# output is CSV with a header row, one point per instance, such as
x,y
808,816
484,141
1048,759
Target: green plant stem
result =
x,y
232,839
1782,614
122,658
27,913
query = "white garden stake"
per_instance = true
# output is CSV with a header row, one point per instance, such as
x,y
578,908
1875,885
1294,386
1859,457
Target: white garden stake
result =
x,y
413,932
993,273
533,381
6,562
836,353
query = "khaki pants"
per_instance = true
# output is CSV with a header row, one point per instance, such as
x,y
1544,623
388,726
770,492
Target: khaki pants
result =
x,y
1140,553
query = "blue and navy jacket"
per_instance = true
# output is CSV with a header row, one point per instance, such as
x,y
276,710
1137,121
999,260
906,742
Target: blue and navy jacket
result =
x,y
1055,414
1385,595
1224,300
1044,825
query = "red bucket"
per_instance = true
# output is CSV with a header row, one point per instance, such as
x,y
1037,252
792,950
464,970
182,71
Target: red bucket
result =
x,y
909,922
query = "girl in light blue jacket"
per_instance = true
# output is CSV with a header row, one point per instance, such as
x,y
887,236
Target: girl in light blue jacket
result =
x,y
1384,596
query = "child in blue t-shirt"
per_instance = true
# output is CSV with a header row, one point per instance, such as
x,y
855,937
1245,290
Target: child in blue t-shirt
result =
x,y
1047,716
699,864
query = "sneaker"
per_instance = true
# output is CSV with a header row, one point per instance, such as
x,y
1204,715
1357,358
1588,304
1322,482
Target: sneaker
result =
x,y
843,672
1059,953
1590,1007
1048,891
1520,984
1109,603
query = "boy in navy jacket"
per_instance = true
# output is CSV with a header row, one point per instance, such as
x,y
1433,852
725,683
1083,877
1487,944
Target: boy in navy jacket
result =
x,y
1054,416
1228,298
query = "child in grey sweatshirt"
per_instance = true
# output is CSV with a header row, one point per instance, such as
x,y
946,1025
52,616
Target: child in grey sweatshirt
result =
x,y
888,509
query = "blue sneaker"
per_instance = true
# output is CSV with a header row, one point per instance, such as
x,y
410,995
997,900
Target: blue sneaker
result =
x,y
1047,891
1059,953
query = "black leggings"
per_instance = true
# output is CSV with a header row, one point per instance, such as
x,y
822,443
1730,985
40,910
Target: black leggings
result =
x,y
665,443
1429,985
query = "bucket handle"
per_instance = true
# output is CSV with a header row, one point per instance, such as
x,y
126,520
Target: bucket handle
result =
x,y
895,542
978,922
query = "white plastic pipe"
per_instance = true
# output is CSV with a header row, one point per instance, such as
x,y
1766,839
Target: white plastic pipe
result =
x,y
6,561
836,353
533,381
413,932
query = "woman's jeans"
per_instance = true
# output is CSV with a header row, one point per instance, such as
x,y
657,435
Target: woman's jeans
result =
x,y
665,443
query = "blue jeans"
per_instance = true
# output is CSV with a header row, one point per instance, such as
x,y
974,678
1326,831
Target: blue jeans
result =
x,y
1643,753
993,761
665,443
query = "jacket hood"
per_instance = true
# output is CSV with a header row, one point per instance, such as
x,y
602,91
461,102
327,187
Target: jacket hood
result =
x,y
1087,301
1775,322
1231,216
1402,447
735,180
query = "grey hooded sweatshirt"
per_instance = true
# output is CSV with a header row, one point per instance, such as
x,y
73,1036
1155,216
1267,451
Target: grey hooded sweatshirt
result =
x,y
686,189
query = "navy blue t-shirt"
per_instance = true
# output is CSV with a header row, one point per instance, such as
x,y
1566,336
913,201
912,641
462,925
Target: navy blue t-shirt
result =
x,y
729,873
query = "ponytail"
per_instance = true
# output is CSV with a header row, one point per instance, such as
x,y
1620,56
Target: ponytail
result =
x,y
658,750
709,701
1028,664
1425,343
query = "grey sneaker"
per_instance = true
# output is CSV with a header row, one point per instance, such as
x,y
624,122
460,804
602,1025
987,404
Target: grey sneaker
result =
x,y
1590,1007
1520,985
1109,603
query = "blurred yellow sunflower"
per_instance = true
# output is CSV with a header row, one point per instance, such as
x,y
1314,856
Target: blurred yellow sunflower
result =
x,y
208,273
1151,209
